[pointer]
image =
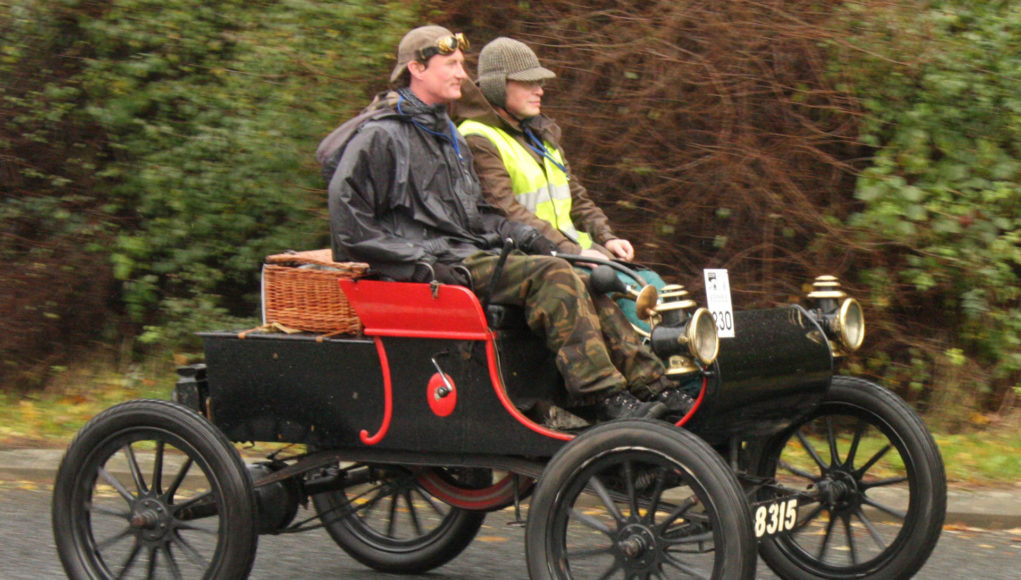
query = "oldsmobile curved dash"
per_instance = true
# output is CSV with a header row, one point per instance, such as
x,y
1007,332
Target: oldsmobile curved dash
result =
x,y
439,409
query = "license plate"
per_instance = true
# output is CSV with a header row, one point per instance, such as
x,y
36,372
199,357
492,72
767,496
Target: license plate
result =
x,y
775,517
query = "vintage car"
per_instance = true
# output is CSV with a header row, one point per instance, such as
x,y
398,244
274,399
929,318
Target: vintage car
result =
x,y
440,409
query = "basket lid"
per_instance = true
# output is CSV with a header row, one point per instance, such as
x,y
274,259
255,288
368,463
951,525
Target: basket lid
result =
x,y
322,257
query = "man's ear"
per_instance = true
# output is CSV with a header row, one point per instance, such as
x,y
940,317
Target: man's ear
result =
x,y
416,68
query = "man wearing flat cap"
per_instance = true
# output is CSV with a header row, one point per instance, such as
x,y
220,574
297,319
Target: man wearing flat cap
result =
x,y
404,197
522,166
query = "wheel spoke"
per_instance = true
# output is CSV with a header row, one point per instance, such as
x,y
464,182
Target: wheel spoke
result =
x,y
412,513
392,515
589,552
610,572
700,538
875,458
125,533
685,568
883,482
826,539
172,564
179,479
799,472
629,486
879,506
807,519
381,492
811,451
183,525
851,546
150,571
157,468
435,505
831,438
129,561
679,511
201,498
116,484
136,471
191,552
593,523
93,508
657,494
604,496
859,430
878,539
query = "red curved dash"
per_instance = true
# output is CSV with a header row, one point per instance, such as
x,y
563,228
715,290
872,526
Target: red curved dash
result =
x,y
494,377
698,402
388,403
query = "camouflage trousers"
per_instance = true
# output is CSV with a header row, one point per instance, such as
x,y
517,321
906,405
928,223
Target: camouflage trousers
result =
x,y
597,350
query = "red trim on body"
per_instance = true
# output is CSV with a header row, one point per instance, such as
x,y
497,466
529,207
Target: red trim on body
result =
x,y
406,309
501,393
698,402
388,399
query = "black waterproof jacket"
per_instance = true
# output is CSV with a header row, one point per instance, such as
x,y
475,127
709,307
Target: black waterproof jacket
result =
x,y
404,192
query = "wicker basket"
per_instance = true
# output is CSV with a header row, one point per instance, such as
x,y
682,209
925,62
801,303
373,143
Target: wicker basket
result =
x,y
300,291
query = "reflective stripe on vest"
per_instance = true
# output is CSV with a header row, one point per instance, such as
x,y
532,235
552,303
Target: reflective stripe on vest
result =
x,y
544,189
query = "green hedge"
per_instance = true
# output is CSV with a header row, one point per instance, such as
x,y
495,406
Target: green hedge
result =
x,y
169,145
942,195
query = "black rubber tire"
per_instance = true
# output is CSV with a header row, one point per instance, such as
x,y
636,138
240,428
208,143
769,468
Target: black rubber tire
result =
x,y
909,474
691,513
184,499
416,533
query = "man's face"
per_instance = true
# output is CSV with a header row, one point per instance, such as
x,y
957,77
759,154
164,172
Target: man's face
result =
x,y
524,99
439,80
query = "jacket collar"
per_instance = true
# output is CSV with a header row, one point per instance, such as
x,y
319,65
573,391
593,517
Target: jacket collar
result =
x,y
432,116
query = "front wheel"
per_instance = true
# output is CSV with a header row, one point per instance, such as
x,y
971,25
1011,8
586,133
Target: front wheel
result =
x,y
870,486
384,518
149,489
638,499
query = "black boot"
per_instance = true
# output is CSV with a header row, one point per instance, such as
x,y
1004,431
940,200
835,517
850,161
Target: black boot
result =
x,y
677,403
624,405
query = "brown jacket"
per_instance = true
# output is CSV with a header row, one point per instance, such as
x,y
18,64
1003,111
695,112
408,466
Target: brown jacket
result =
x,y
496,182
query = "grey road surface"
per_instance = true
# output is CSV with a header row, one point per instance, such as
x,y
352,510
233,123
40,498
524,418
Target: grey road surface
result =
x,y
27,549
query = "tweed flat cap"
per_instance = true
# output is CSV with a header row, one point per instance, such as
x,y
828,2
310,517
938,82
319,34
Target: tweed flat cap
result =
x,y
505,59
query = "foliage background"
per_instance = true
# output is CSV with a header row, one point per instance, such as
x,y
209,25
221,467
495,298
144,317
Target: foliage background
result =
x,y
152,153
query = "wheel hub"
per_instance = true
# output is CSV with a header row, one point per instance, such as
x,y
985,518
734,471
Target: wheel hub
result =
x,y
151,519
839,491
637,544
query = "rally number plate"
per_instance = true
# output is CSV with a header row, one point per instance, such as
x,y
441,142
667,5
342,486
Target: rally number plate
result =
x,y
774,517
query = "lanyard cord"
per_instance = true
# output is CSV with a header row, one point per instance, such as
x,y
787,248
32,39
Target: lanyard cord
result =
x,y
451,138
539,147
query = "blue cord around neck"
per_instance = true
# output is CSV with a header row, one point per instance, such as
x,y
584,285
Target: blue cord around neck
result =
x,y
539,147
452,138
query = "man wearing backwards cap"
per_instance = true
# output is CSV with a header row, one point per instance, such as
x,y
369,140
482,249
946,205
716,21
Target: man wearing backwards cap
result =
x,y
405,199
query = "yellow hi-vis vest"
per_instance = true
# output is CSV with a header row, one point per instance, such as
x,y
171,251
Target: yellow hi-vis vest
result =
x,y
544,189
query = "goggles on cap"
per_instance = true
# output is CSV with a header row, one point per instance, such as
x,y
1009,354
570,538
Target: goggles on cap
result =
x,y
445,45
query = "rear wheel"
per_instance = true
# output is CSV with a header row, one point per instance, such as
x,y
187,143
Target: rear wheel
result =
x,y
149,489
638,499
870,485
385,519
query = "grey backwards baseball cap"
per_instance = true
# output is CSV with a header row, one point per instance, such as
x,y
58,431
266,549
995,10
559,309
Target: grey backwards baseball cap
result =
x,y
418,43
505,59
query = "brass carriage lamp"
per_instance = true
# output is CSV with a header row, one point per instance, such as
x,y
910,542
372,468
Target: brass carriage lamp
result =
x,y
840,316
685,332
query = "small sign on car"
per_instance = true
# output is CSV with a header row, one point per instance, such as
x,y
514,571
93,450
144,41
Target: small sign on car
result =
x,y
717,293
